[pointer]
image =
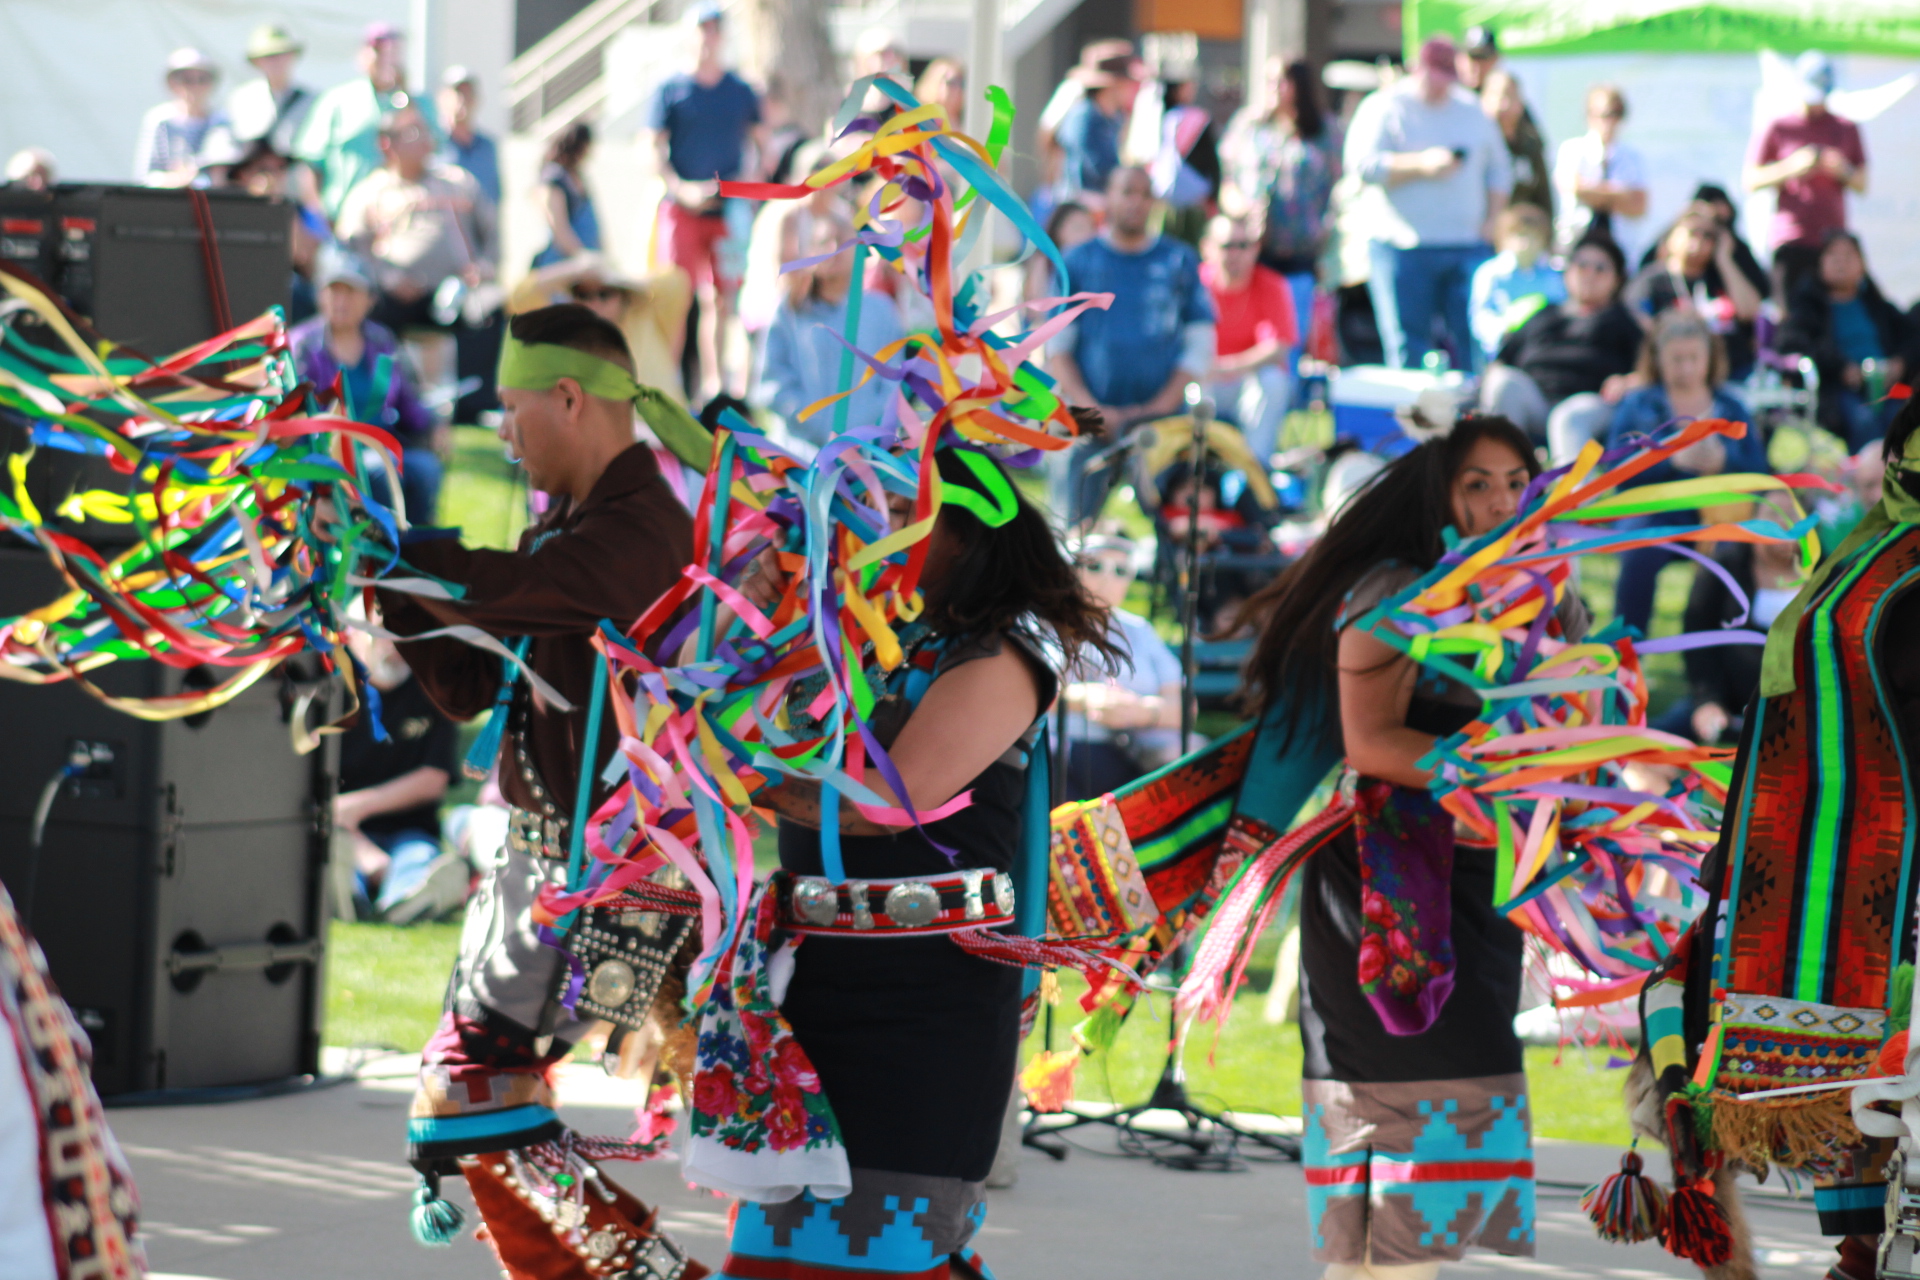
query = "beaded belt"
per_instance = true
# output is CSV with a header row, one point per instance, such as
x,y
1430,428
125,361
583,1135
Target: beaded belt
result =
x,y
976,898
536,835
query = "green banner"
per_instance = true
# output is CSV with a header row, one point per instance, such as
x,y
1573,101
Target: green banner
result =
x,y
1667,26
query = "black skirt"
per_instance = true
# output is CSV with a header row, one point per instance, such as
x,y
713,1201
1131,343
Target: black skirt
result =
x,y
1339,1030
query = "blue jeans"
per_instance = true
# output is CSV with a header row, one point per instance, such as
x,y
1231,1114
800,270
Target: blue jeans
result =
x,y
1412,287
1300,285
420,478
411,853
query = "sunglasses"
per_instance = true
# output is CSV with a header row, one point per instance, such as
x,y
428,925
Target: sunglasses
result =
x,y
1238,244
412,133
589,294
193,77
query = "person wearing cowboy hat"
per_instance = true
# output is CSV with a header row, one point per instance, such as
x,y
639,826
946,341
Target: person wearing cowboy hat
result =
x,y
1090,133
172,134
271,106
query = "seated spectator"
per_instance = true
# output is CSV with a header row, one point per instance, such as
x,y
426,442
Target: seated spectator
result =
x,y
1696,271
1255,332
390,792
419,221
1683,367
1559,374
1512,286
375,380
1232,523
1840,318
651,313
171,134
1715,200
801,361
1123,725
1722,678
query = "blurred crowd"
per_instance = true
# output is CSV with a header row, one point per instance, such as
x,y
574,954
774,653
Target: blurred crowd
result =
x,y
1347,217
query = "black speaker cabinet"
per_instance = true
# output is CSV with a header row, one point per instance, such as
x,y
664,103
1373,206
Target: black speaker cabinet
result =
x,y
129,260
179,888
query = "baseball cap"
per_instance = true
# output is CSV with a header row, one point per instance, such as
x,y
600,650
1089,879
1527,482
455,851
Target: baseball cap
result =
x,y
379,32
458,74
1437,53
1814,70
708,11
1480,43
190,59
336,266
270,39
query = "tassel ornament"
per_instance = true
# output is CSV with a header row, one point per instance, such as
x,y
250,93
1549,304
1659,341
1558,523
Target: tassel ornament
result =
x,y
1697,1227
435,1221
1629,1206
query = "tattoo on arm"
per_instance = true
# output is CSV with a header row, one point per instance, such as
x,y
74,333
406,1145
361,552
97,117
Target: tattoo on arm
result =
x,y
798,800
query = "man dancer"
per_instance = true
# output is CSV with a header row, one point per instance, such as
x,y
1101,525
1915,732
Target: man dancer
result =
x,y
614,540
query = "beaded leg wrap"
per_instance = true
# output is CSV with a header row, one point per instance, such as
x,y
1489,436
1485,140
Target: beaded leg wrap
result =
x,y
551,1214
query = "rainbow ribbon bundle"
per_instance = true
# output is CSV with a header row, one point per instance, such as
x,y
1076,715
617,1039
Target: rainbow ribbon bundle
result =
x,y
222,452
1599,821
698,738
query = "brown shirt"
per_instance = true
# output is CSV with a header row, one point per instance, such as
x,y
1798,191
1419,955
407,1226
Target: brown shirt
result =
x,y
611,558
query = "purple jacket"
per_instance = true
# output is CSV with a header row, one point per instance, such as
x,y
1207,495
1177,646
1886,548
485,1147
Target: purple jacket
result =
x,y
400,411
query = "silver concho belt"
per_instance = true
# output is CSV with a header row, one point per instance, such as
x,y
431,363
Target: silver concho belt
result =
x,y
535,835
976,898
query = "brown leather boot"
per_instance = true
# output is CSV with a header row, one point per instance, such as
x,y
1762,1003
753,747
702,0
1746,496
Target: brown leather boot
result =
x,y
569,1226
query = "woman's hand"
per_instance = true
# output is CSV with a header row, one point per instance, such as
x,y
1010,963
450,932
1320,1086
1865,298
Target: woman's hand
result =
x,y
1703,457
1710,720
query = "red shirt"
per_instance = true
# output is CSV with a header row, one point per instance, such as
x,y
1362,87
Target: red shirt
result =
x,y
1813,204
1261,312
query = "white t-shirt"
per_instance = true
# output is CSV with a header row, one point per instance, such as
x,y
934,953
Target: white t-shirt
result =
x,y
1586,160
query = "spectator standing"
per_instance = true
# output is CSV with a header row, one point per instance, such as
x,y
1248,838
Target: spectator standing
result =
x,y
466,146
703,122
1255,334
1133,361
1560,374
388,804
31,168
1811,160
375,378
1089,135
1861,343
173,133
1066,95
1683,372
272,107
1186,164
945,82
340,141
1696,271
1515,283
419,221
1500,98
1443,166
573,225
1123,723
1601,181
1284,160
800,362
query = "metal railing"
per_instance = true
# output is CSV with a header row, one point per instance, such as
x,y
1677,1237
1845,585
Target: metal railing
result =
x,y
561,79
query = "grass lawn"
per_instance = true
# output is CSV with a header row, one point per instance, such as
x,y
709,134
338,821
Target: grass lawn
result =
x,y
384,986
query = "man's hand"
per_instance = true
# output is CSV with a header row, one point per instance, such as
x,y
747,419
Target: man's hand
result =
x,y
764,582
1834,163
695,195
1802,162
1710,720
1435,162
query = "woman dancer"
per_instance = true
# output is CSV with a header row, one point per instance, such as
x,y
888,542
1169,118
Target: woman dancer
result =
x,y
1418,1139
913,1040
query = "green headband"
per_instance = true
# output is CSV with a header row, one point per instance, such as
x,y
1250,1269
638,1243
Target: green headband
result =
x,y
993,508
539,366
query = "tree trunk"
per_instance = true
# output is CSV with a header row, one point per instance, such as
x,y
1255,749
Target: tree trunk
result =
x,y
786,47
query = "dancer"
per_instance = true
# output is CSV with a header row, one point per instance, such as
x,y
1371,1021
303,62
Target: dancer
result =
x,y
614,539
913,1039
1813,896
1412,1115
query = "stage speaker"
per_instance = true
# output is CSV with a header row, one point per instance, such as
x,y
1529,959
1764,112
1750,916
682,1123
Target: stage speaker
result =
x,y
178,884
132,262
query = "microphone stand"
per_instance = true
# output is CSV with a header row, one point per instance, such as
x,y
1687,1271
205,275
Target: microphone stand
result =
x,y
1211,1141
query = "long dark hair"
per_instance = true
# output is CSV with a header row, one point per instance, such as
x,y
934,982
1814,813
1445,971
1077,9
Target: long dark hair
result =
x,y
1309,117
1899,431
1400,515
567,149
1014,578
